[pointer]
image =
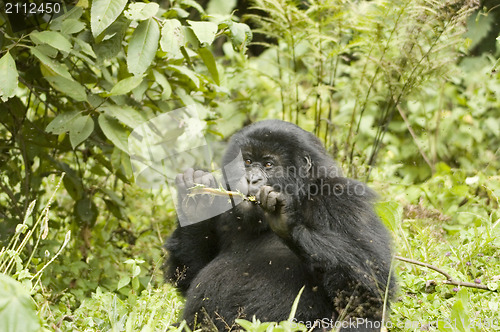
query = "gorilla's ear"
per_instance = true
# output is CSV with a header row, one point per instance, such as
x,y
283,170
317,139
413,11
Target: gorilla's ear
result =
x,y
318,165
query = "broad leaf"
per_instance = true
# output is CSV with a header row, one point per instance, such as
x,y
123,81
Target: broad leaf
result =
x,y
114,131
17,308
172,38
72,26
103,13
142,47
204,31
126,85
209,61
69,87
241,34
55,68
8,78
61,123
141,11
163,82
52,38
221,7
186,72
125,114
110,47
391,214
80,129
86,211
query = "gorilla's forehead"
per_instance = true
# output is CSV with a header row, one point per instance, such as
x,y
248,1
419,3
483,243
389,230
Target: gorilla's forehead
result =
x,y
263,146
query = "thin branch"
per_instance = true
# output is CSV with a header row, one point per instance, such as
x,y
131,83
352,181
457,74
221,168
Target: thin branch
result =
x,y
449,279
200,190
412,133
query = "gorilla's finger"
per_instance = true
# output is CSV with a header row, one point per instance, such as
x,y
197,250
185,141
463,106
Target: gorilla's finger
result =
x,y
208,180
188,178
197,175
262,194
271,201
179,181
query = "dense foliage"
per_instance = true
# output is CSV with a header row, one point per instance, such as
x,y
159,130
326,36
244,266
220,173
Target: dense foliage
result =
x,y
405,94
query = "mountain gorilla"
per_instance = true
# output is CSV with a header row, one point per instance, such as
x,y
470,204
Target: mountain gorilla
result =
x,y
308,226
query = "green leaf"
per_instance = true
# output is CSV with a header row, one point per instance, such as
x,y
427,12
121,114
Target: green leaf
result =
x,y
61,123
69,87
221,7
241,34
114,131
163,82
172,38
86,211
52,38
204,31
186,72
141,11
209,61
8,78
110,47
126,85
295,305
142,47
126,114
103,13
72,26
391,214
17,308
123,282
80,129
55,68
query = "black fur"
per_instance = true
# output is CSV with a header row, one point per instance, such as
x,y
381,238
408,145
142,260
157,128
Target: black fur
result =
x,y
313,228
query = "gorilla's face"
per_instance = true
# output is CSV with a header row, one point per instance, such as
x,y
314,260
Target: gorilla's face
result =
x,y
260,170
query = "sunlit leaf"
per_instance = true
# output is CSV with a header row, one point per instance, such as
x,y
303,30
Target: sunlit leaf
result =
x,y
188,73
204,31
61,123
103,13
125,114
126,85
114,131
172,38
17,308
52,38
8,77
56,69
80,129
141,11
209,61
69,87
142,47
163,82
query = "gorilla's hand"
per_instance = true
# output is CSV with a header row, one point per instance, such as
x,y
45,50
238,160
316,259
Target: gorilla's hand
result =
x,y
276,205
194,206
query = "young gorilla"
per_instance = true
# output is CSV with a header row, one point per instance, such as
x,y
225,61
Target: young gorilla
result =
x,y
311,227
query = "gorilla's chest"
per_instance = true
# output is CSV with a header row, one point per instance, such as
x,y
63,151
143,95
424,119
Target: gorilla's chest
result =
x,y
253,269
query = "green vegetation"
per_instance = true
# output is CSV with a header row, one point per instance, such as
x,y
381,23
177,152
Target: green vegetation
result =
x,y
405,94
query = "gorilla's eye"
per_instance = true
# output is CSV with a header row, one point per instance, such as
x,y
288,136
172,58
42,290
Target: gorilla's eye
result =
x,y
248,162
268,164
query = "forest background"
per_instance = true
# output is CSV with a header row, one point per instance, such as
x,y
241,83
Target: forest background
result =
x,y
405,94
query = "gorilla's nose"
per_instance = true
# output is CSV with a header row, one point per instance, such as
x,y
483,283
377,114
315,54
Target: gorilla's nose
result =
x,y
255,181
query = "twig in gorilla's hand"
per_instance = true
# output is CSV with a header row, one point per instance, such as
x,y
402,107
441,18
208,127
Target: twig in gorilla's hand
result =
x,y
200,189
449,279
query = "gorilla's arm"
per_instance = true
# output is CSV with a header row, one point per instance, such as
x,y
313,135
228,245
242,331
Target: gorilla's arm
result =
x,y
191,248
337,234
194,246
